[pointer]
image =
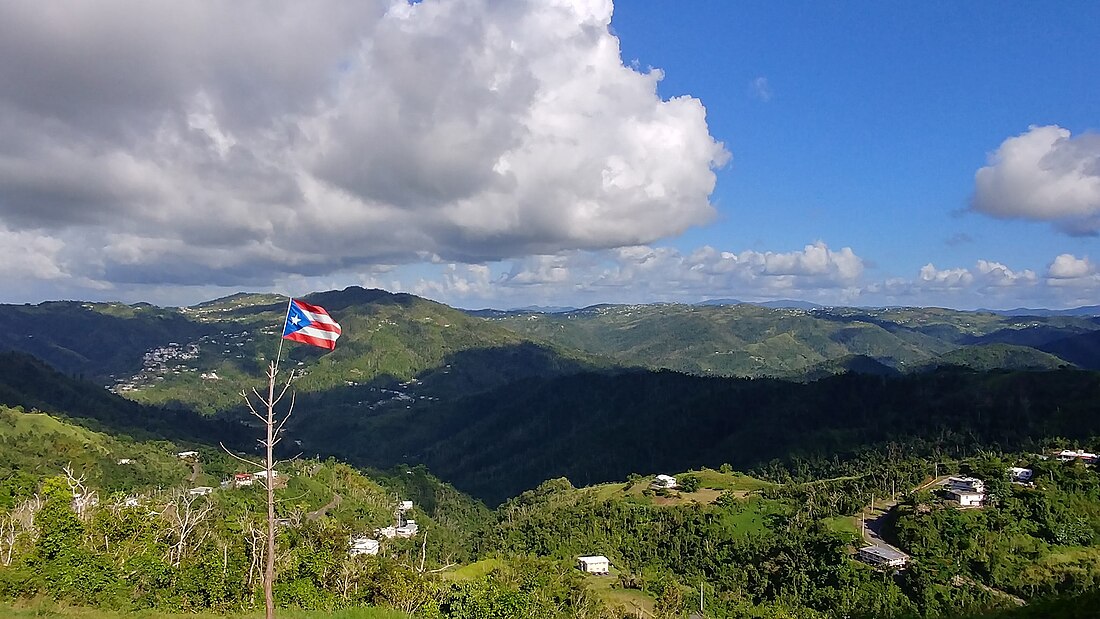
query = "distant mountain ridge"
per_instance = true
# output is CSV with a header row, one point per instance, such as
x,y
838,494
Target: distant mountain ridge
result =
x,y
1084,310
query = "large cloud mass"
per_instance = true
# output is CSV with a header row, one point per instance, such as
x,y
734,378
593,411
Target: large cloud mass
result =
x,y
233,142
1045,175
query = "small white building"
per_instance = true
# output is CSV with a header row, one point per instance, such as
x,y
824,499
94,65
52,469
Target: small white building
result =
x,y
966,498
1077,454
882,556
964,484
125,461
363,546
408,529
595,564
200,491
188,455
1020,474
405,506
664,481
262,475
387,532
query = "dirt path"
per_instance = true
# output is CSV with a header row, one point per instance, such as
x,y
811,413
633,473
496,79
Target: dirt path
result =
x,y
333,504
196,470
877,512
1005,594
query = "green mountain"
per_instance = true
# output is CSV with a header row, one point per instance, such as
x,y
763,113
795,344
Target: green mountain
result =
x,y
755,341
1000,356
595,427
97,340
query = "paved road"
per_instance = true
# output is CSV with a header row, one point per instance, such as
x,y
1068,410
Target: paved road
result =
x,y
876,514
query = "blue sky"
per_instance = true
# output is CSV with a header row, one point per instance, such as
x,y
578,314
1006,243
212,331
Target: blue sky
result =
x,y
877,119
557,152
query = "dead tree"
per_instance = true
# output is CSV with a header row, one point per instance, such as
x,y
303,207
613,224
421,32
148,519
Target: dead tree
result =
x,y
265,412
185,512
82,497
16,524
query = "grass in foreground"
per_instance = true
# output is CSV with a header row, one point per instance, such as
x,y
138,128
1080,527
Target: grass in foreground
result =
x,y
40,609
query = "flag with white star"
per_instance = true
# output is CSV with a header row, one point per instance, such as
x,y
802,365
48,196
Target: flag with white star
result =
x,y
310,324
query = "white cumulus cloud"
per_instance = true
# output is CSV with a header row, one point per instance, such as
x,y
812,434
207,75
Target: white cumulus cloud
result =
x,y
235,143
1045,174
1068,266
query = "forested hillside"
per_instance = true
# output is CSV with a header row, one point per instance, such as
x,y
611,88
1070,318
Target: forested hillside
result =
x,y
752,340
560,421
595,427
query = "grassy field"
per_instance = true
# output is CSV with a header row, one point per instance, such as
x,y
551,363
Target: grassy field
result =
x,y
614,597
51,609
474,570
712,484
846,525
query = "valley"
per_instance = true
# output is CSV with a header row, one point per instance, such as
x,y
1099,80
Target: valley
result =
x,y
524,440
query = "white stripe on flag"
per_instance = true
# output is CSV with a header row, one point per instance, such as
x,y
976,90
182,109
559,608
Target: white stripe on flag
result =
x,y
318,333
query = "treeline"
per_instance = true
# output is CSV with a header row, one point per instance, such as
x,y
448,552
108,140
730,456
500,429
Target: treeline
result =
x,y
595,427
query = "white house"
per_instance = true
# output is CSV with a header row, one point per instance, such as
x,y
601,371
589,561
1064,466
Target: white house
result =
x,y
595,564
664,481
125,461
405,506
965,484
882,556
408,529
200,491
1077,454
262,475
188,455
967,498
363,546
387,532
1020,474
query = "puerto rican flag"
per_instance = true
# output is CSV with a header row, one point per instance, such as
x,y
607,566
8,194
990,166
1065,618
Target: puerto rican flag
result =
x,y
310,324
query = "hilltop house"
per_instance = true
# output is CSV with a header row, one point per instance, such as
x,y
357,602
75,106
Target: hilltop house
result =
x,y
1019,474
970,484
200,491
966,491
188,455
242,480
1078,454
966,498
664,481
883,557
595,564
125,461
405,506
408,529
363,546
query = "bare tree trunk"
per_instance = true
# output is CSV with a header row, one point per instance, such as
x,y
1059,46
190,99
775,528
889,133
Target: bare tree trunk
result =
x,y
274,428
269,572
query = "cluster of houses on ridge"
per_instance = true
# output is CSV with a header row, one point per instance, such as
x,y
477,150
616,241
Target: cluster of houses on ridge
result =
x,y
173,358
967,492
403,527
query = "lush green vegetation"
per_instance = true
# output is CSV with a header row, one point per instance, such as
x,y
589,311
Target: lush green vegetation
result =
x,y
498,407
750,340
599,427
